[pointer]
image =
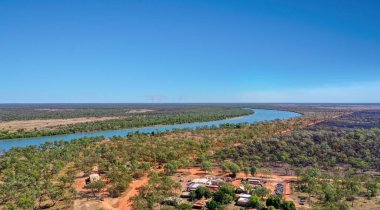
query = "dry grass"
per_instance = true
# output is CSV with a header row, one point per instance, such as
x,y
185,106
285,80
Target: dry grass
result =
x,y
364,204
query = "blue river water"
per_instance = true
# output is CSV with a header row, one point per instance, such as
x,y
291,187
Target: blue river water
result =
x,y
260,115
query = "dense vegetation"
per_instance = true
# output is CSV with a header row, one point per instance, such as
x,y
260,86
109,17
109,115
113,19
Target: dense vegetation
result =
x,y
351,142
200,114
33,177
347,140
29,175
319,146
363,119
336,191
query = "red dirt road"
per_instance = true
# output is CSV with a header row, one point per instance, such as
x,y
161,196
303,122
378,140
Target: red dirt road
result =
x,y
125,202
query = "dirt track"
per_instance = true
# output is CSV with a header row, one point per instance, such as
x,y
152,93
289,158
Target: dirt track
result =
x,y
124,202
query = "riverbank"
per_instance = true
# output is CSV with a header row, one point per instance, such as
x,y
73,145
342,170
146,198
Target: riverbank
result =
x,y
260,115
117,123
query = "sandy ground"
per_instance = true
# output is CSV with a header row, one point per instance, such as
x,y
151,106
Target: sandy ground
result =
x,y
271,181
83,203
139,111
29,125
125,203
121,203
79,184
365,204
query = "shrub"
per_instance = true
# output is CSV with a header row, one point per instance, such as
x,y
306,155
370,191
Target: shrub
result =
x,y
202,192
212,205
288,205
274,201
184,206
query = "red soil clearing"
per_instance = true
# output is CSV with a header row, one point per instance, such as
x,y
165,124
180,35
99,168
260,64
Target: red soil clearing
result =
x,y
125,202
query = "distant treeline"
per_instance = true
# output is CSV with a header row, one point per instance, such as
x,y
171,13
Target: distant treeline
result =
x,y
9,112
190,116
363,119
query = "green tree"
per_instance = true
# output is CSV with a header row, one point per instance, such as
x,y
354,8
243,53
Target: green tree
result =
x,y
372,188
170,168
330,193
288,205
234,168
96,186
246,171
202,192
274,200
255,202
25,203
352,190
271,208
206,166
253,170
225,194
261,192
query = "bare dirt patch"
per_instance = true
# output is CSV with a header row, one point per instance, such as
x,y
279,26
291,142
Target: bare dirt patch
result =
x,y
29,125
135,111
121,203
125,201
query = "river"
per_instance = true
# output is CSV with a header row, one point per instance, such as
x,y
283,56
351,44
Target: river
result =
x,y
259,115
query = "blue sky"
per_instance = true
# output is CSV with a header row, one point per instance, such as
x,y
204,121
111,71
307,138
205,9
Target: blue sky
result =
x,y
189,51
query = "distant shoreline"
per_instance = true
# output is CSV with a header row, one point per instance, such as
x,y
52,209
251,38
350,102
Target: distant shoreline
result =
x,y
139,127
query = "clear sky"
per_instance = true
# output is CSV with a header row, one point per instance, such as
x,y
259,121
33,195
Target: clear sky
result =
x,y
189,51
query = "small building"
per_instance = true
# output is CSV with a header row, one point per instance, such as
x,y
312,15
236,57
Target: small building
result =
x,y
227,179
243,200
217,182
245,195
94,177
212,187
254,181
185,194
210,177
201,181
193,186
